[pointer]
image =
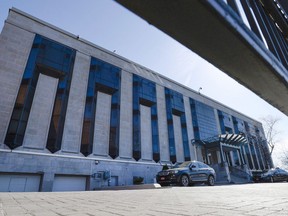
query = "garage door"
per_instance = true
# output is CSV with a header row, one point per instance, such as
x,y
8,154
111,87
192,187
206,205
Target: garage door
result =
x,y
69,183
19,183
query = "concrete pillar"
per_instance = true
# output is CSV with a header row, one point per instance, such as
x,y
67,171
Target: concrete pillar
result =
x,y
178,139
72,133
232,158
261,159
198,152
250,157
102,125
41,111
217,121
47,182
162,124
126,124
146,133
256,155
15,46
240,156
218,157
221,153
189,127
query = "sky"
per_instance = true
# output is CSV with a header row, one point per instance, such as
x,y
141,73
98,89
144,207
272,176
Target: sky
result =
x,y
111,26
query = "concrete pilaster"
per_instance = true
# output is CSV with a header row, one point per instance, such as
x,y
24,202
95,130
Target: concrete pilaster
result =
x,y
146,133
178,139
72,133
15,46
162,124
41,112
126,124
217,121
189,127
47,182
102,125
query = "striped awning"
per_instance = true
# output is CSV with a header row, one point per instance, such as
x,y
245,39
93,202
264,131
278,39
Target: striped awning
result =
x,y
233,139
230,139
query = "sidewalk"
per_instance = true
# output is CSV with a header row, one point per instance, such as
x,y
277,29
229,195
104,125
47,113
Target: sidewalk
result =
x,y
226,200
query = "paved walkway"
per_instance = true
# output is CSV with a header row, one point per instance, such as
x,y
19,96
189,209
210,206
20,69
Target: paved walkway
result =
x,y
245,199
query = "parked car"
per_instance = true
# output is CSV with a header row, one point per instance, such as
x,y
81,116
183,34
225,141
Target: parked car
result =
x,y
274,175
256,176
187,173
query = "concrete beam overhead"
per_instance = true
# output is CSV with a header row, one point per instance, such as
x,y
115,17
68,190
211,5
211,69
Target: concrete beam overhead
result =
x,y
213,31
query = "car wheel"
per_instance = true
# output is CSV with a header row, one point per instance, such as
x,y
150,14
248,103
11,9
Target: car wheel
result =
x,y
211,180
184,180
271,179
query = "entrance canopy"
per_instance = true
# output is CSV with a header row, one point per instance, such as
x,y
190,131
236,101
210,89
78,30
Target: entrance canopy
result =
x,y
228,146
226,139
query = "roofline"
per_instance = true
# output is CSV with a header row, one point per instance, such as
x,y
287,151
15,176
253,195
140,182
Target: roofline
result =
x,y
76,37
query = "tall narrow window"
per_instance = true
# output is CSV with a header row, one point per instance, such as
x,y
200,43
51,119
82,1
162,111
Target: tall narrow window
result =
x,y
51,59
250,136
203,119
175,112
103,78
144,94
239,128
226,123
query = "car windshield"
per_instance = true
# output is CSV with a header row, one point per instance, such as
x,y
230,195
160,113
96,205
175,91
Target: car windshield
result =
x,y
270,172
184,164
281,171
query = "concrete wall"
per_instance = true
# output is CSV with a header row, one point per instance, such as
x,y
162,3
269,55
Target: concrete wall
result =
x,y
48,166
15,45
125,140
146,133
162,124
178,138
76,104
102,125
40,115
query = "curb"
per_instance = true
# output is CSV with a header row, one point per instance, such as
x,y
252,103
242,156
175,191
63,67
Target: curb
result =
x,y
131,187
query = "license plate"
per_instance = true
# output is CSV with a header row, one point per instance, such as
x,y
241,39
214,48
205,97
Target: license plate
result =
x,y
162,178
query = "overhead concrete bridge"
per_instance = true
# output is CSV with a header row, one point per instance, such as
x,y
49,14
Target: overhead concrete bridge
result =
x,y
246,39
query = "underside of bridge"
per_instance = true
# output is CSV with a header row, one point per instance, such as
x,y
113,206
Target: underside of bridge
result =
x,y
212,29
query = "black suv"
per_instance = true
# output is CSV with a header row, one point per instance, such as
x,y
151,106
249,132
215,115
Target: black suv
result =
x,y
274,175
186,174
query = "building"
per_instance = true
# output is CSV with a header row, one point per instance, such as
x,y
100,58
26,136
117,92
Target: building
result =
x,y
75,116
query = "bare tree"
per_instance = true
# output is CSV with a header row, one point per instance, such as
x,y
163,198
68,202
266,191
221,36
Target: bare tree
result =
x,y
284,158
270,130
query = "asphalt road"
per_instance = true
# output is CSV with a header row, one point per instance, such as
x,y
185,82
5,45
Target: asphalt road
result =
x,y
246,199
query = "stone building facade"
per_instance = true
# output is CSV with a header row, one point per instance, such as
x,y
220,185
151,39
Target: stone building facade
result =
x,y
75,116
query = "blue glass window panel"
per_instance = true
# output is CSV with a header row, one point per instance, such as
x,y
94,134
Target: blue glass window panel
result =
x,y
17,126
236,157
260,149
246,147
253,153
238,125
203,119
175,105
226,123
258,153
42,50
254,143
58,60
103,77
144,92
221,121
